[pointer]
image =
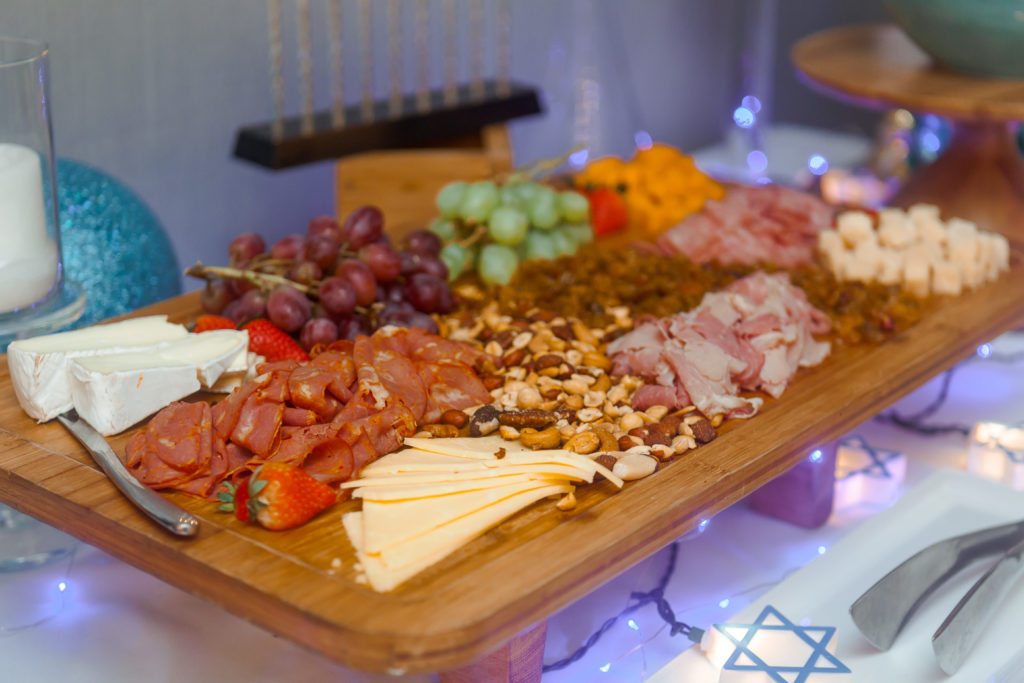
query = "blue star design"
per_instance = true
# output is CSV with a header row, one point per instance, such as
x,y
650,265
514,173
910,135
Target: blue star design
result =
x,y
879,458
819,661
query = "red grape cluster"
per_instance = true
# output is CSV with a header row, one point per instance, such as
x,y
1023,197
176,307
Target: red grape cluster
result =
x,y
334,282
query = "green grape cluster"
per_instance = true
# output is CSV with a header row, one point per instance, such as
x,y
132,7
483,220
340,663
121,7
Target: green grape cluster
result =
x,y
493,228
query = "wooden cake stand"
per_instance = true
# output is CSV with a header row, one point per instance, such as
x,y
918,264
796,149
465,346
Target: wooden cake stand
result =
x,y
981,175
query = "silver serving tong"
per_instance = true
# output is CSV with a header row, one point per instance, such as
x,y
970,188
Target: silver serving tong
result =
x,y
885,608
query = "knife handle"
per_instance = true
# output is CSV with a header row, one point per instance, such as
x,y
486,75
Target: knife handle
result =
x,y
162,511
959,632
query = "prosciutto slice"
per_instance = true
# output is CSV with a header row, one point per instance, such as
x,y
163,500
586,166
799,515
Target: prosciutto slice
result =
x,y
764,224
753,335
350,404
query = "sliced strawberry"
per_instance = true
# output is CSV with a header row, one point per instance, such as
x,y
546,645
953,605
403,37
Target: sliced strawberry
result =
x,y
272,342
208,321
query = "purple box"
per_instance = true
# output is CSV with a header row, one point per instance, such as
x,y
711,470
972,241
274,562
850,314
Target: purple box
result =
x,y
803,494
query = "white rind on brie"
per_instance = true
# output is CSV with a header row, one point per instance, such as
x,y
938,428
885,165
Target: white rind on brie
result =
x,y
39,366
214,353
113,392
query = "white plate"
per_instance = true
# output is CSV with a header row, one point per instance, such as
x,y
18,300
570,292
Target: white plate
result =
x,y
946,504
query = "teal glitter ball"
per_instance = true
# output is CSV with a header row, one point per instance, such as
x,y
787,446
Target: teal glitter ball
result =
x,y
112,244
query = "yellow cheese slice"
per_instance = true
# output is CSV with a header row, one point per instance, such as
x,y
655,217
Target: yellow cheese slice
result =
x,y
474,448
410,459
417,461
461,530
380,577
445,488
390,522
388,569
427,478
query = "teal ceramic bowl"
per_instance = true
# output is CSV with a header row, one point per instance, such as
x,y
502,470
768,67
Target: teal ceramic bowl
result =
x,y
982,37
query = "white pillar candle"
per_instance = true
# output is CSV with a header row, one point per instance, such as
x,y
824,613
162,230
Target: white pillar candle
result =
x,y
28,256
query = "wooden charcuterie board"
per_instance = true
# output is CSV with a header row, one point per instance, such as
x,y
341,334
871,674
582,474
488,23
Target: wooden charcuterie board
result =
x,y
515,575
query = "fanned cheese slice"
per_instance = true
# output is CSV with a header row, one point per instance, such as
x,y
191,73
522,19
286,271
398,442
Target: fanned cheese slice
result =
x,y
416,478
410,460
39,366
473,448
388,523
391,567
440,488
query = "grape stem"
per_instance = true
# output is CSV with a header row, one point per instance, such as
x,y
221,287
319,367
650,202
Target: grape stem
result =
x,y
261,280
479,231
541,166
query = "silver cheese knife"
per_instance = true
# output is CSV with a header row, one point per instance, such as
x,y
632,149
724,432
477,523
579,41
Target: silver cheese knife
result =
x,y
958,634
885,608
164,512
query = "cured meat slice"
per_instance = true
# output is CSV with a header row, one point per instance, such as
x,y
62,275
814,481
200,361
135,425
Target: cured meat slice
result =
x,y
399,376
308,387
259,425
769,224
752,336
352,403
179,446
225,414
451,386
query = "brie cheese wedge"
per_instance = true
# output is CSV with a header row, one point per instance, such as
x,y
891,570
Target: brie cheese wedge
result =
x,y
39,366
113,392
215,353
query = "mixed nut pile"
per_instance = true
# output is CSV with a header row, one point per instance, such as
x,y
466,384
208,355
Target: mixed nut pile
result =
x,y
553,388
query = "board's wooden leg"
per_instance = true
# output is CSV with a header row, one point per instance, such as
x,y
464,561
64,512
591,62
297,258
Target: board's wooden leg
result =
x,y
803,495
980,177
518,661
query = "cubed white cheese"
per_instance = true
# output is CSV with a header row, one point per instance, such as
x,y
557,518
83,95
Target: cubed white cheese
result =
x,y
920,214
113,392
917,272
896,233
866,262
890,266
830,246
854,226
946,278
39,366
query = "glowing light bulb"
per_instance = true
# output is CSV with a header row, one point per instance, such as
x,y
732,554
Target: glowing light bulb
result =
x,y
817,164
822,550
757,161
751,103
703,525
633,625
62,586
985,350
815,455
723,603
743,117
643,139
604,669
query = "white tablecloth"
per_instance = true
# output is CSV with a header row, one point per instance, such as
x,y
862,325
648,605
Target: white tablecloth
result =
x,y
120,624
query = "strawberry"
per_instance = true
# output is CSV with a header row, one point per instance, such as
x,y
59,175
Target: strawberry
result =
x,y
207,322
272,342
607,210
235,498
278,496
